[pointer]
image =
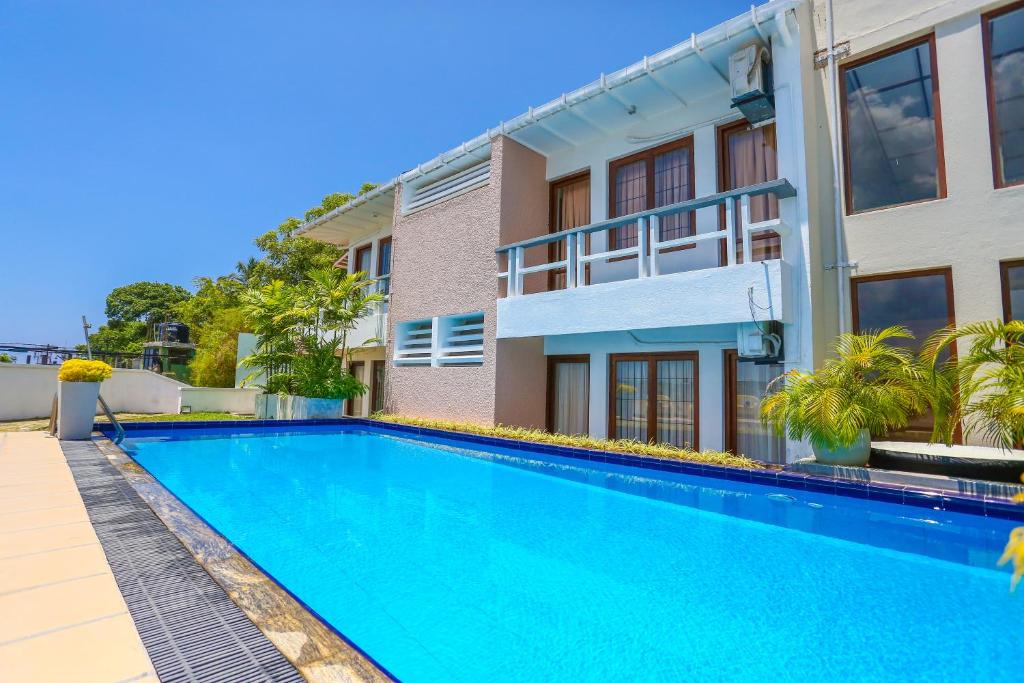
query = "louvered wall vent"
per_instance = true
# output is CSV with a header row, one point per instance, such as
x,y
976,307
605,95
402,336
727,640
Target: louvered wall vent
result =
x,y
452,340
417,198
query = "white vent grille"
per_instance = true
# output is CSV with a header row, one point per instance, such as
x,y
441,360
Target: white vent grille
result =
x,y
452,340
418,198
414,342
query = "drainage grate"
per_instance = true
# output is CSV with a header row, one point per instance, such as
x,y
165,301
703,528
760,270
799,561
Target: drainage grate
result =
x,y
190,627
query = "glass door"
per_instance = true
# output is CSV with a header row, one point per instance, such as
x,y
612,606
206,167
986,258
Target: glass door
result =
x,y
654,398
569,394
748,158
746,384
570,208
354,406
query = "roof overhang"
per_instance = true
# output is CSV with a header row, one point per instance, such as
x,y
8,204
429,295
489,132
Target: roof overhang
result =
x,y
363,216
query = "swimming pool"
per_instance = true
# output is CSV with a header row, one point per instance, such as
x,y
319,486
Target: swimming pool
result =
x,y
449,560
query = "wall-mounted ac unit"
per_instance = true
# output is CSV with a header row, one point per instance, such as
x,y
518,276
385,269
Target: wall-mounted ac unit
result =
x,y
750,77
761,341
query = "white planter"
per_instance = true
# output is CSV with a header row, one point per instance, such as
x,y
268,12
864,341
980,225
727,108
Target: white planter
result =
x,y
76,409
274,407
857,454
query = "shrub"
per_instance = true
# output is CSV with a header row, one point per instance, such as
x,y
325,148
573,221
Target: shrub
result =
x,y
628,446
78,370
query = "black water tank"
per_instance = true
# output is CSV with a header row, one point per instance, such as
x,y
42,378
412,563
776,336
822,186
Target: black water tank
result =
x,y
172,332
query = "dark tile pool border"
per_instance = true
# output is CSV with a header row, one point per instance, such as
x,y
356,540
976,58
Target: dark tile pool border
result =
x,y
986,506
325,654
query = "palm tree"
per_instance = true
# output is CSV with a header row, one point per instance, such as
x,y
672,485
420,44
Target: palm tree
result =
x,y
245,271
985,385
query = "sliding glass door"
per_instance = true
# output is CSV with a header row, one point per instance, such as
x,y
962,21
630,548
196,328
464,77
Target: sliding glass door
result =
x,y
746,384
653,398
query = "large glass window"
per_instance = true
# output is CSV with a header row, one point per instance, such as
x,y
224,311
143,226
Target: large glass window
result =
x,y
746,386
654,398
569,394
892,129
652,178
921,301
1013,290
748,157
1004,69
363,259
384,264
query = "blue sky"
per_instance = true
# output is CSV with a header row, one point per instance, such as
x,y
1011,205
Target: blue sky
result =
x,y
153,141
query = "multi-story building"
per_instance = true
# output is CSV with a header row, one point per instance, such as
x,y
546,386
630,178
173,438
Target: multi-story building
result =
x,y
640,257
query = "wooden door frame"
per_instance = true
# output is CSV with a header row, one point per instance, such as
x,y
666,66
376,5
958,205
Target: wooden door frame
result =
x,y
355,258
362,367
730,359
652,389
553,188
1004,284
552,361
374,387
723,168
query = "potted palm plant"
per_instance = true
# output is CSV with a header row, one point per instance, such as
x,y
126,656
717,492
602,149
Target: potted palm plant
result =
x,y
869,387
78,388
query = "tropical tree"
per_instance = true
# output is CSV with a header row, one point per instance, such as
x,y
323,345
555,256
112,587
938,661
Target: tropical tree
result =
x,y
144,301
267,312
983,383
870,384
216,357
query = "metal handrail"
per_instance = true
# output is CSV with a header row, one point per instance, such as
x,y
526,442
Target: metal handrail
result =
x,y
781,188
118,429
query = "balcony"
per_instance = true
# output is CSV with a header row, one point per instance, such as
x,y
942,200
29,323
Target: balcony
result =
x,y
714,281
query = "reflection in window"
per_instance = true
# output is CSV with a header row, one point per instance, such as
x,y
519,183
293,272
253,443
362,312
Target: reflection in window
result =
x,y
1013,290
1005,64
651,179
750,436
891,154
919,302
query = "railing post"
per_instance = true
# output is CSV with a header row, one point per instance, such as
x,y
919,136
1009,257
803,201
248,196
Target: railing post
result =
x,y
570,261
581,266
745,223
510,280
730,231
641,242
519,270
654,236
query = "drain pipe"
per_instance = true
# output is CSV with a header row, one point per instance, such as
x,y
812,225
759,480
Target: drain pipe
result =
x,y
833,74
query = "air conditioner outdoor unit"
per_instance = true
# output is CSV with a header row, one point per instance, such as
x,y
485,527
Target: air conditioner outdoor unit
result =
x,y
750,77
758,340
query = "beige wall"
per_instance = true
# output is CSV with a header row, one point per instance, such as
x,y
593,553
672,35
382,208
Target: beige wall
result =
x,y
444,263
974,226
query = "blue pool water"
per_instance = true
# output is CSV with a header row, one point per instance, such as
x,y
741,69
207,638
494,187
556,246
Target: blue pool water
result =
x,y
446,564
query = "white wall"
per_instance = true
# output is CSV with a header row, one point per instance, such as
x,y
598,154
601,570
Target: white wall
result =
x,y
26,391
218,400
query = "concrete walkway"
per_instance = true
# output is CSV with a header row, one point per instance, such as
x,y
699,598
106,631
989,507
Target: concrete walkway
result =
x,y
62,617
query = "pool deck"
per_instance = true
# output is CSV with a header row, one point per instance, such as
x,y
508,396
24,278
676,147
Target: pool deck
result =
x,y
62,616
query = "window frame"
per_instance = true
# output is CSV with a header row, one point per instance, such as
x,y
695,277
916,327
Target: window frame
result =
x,y
998,181
722,131
380,255
940,152
648,155
357,253
552,361
1004,285
730,376
350,402
652,389
377,388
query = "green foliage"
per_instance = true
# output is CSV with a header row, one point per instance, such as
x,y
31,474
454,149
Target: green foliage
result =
x,y
116,336
217,348
302,332
983,387
870,384
630,446
6,358
144,301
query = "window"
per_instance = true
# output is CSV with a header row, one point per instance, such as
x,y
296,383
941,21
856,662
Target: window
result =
x,y
652,178
570,208
654,398
384,264
921,301
354,407
747,156
377,387
569,394
1013,289
746,383
1003,36
362,260
452,340
892,128
416,198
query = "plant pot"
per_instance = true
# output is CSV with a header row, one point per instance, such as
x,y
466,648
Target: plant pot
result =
x,y
854,455
76,409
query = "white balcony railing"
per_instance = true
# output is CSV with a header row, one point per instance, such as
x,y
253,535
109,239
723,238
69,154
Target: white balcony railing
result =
x,y
650,246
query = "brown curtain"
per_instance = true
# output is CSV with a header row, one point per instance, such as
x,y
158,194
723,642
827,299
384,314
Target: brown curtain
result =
x,y
571,210
752,159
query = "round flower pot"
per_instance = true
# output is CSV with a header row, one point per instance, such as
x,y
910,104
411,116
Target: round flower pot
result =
x,y
76,409
854,455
